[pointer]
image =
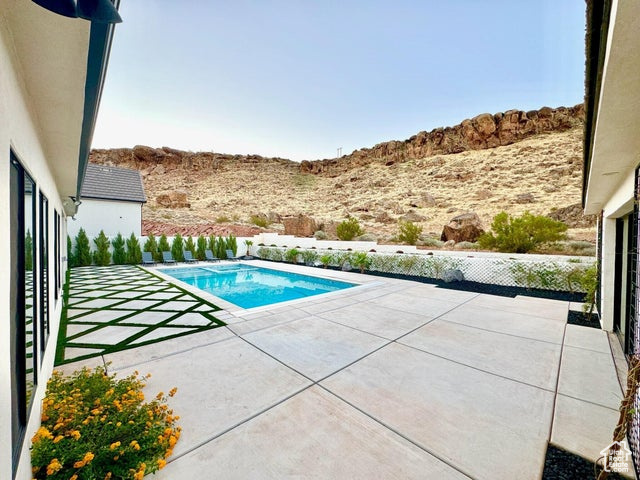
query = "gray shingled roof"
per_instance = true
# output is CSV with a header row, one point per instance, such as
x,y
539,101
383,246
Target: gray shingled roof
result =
x,y
111,183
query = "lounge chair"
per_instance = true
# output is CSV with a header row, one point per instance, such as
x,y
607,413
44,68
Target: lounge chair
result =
x,y
230,255
188,257
209,256
147,258
167,257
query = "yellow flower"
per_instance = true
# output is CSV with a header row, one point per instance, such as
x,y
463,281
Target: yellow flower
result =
x,y
75,434
53,467
134,444
161,464
88,457
107,476
173,391
119,424
73,477
57,439
114,445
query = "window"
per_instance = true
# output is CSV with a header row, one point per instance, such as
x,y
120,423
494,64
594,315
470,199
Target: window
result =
x,y
56,253
23,305
43,236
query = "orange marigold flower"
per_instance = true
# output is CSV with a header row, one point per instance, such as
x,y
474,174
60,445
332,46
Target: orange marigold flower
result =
x,y
161,463
114,445
88,457
107,476
173,391
58,438
159,395
73,477
75,434
53,467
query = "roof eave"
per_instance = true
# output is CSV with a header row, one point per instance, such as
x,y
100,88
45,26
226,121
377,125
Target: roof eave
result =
x,y
598,16
100,40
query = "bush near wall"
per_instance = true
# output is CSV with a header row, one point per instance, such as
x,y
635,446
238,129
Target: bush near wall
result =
x,y
553,275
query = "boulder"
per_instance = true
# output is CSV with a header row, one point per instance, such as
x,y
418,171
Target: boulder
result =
x,y
525,198
463,228
299,226
413,217
173,199
573,216
452,275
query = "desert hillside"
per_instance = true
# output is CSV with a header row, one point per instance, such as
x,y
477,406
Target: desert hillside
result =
x,y
513,161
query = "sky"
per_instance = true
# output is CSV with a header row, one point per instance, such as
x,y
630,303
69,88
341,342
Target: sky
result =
x,y
299,79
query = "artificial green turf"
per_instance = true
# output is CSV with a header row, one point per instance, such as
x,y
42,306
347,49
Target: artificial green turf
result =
x,y
103,279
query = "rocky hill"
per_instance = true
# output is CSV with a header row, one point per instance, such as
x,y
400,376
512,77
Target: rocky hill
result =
x,y
511,161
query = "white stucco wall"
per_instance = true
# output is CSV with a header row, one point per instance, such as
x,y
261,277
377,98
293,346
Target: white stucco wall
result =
x,y
19,131
109,215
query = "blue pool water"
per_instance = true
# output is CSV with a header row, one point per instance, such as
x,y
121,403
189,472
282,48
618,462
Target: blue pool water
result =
x,y
248,286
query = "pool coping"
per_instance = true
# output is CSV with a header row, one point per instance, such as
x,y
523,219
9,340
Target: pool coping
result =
x,y
237,311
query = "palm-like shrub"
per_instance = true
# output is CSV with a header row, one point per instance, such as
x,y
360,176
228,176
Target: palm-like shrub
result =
x,y
83,249
521,234
134,253
361,260
291,255
326,259
101,255
119,252
349,229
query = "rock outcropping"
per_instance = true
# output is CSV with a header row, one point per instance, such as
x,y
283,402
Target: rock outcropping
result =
x,y
480,132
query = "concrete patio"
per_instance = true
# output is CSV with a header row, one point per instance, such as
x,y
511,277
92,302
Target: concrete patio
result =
x,y
390,379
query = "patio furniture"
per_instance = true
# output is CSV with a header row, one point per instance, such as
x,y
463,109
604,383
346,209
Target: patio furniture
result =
x,y
167,257
147,258
209,256
230,255
188,257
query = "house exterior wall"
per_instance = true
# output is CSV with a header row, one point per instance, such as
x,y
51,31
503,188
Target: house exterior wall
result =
x,y
109,215
19,131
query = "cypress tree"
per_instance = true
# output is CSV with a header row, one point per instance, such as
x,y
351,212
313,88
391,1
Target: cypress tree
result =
x,y
101,255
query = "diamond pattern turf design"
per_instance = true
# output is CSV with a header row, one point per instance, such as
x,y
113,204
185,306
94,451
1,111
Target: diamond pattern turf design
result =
x,y
119,307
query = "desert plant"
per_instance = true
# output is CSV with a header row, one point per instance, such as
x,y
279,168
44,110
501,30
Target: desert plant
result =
x,y
361,260
201,247
291,255
348,229
119,252
82,252
309,257
409,232
320,235
71,257
431,242
589,284
259,221
134,253
466,246
163,246
95,426
101,255
248,244
28,252
521,234
223,219
326,259
189,245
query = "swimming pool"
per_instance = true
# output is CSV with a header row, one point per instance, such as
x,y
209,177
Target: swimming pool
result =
x,y
248,286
